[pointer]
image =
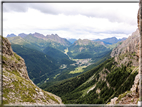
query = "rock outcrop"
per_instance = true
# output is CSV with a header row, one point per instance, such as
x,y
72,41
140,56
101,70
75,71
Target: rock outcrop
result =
x,y
129,97
131,45
128,51
17,87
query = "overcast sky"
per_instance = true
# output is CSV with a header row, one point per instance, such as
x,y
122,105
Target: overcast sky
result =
x,y
71,20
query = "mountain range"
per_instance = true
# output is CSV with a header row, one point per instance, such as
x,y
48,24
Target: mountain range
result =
x,y
111,40
79,72
45,55
56,38
109,82
85,48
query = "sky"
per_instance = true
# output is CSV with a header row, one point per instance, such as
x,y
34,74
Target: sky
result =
x,y
71,20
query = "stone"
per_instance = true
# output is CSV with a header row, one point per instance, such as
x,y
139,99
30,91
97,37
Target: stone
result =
x,y
113,101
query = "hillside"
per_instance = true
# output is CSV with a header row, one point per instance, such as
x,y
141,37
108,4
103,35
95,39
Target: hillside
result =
x,y
37,63
127,48
82,49
18,40
17,87
54,53
104,82
58,39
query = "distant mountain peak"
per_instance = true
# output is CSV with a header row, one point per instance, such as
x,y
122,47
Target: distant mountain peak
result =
x,y
84,42
111,40
11,35
52,35
22,35
38,35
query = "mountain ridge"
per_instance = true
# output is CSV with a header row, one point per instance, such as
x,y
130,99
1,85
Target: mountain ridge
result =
x,y
86,48
51,37
111,40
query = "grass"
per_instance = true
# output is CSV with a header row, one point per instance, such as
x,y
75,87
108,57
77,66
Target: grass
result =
x,y
122,95
52,97
4,58
17,57
86,90
78,70
66,51
22,88
56,76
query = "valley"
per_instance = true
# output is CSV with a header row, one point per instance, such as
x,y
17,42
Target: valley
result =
x,y
51,59
101,83
83,54
79,72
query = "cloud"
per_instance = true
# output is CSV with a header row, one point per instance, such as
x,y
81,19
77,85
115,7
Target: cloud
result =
x,y
17,7
115,12
75,20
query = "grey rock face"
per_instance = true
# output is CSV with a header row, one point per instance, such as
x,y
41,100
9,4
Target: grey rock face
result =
x,y
131,44
128,51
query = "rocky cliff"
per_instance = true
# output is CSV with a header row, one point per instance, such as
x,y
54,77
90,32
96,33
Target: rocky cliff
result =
x,y
17,87
128,53
128,50
129,47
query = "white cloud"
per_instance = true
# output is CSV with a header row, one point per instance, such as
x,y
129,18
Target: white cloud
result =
x,y
82,20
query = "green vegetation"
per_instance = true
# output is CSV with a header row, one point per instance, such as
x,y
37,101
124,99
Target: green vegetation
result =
x,y
17,88
66,51
17,57
44,57
77,70
74,90
4,58
55,53
55,76
75,83
37,62
114,45
80,51
65,73
22,88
